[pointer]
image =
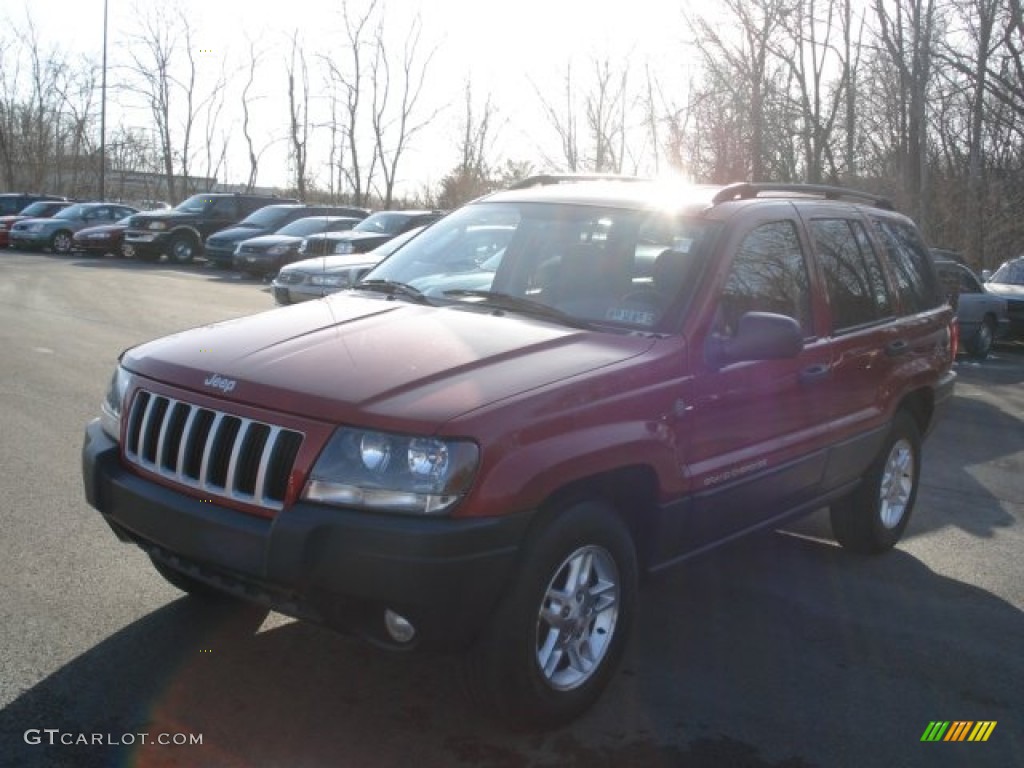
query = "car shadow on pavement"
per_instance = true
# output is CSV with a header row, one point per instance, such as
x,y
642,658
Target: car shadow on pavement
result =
x,y
775,651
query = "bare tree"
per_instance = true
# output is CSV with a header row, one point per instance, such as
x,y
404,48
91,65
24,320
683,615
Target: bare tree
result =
x,y
741,62
298,114
394,114
349,77
163,73
906,32
472,176
564,120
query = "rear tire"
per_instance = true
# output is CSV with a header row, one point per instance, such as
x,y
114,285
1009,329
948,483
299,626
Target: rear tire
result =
x,y
556,639
981,344
872,518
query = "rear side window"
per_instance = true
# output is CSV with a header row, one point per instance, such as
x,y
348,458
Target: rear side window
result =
x,y
911,266
856,285
768,274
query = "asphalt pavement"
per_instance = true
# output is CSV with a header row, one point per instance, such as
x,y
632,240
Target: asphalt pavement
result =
x,y
781,650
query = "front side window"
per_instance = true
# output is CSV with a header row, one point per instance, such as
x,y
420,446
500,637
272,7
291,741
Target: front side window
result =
x,y
580,264
768,274
856,285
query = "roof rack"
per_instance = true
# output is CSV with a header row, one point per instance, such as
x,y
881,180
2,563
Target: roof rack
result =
x,y
746,190
547,179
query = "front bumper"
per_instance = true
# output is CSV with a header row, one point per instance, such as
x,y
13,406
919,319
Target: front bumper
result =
x,y
146,243
293,294
31,240
338,567
220,255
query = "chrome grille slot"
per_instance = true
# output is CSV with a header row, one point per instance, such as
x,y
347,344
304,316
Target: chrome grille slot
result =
x,y
215,452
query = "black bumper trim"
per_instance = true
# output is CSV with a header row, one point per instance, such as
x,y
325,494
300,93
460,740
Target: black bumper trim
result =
x,y
341,567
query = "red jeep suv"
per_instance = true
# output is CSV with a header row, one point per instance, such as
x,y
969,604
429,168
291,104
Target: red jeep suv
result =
x,y
486,460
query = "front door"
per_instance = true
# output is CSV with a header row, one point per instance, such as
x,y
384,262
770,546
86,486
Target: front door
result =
x,y
759,429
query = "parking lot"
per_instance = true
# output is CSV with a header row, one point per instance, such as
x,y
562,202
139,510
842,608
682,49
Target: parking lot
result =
x,y
781,650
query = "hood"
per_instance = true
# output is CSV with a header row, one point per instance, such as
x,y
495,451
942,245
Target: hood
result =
x,y
349,235
238,232
269,241
1006,290
335,263
375,362
143,218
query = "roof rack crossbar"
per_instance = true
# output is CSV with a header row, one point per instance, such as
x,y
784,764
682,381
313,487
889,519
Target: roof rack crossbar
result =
x,y
746,190
547,179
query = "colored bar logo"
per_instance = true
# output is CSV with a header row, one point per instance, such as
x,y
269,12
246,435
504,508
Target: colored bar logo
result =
x,y
958,730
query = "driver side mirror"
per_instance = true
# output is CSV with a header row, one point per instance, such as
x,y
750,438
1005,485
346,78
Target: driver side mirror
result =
x,y
759,336
986,275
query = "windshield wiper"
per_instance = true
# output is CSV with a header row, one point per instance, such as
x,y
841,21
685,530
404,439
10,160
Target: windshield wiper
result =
x,y
498,300
393,288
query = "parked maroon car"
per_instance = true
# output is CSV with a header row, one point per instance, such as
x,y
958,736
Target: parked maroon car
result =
x,y
489,466
102,239
41,209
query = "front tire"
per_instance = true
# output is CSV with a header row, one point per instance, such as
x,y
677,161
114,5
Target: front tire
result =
x,y
182,249
557,638
872,519
61,242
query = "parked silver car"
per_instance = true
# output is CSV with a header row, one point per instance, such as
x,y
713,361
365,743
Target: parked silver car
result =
x,y
981,315
317,277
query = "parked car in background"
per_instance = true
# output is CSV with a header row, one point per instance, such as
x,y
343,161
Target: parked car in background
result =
x,y
981,315
41,209
179,233
317,277
219,248
14,202
266,254
372,231
101,239
56,232
1008,283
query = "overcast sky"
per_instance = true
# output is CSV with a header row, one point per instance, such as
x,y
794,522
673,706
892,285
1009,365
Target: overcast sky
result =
x,y
509,49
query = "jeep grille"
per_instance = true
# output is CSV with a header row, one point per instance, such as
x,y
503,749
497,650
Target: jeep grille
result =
x,y
214,452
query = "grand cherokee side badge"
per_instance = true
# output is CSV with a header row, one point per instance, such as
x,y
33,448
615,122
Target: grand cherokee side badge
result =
x,y
219,382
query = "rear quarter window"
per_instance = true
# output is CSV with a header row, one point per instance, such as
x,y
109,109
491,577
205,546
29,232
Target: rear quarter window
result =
x,y
911,266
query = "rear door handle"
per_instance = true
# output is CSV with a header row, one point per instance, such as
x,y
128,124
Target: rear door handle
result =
x,y
816,372
897,348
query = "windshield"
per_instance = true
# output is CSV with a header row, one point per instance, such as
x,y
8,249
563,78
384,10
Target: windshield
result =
x,y
313,224
36,208
1012,273
386,223
602,267
194,204
71,212
268,217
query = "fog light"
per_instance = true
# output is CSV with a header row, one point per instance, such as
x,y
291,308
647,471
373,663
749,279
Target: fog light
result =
x,y
398,627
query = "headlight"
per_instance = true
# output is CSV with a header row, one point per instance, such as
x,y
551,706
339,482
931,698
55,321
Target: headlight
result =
x,y
343,247
330,281
113,403
33,227
157,225
277,250
392,473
